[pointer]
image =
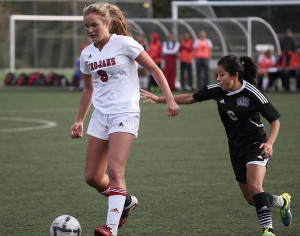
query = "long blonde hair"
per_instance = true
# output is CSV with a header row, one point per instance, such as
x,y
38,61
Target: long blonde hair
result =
x,y
112,13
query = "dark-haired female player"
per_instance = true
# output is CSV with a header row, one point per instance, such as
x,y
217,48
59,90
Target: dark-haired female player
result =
x,y
239,105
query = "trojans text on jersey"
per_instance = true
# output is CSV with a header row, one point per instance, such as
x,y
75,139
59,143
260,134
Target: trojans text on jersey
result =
x,y
102,63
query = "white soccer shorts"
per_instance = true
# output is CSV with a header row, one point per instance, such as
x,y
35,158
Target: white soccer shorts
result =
x,y
102,125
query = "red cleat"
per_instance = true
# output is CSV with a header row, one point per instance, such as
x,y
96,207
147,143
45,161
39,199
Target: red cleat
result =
x,y
103,230
134,203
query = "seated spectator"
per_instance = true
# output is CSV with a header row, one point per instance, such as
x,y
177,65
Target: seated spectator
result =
x,y
295,67
266,63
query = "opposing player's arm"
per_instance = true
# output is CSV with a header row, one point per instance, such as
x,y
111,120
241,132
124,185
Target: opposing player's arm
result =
x,y
179,99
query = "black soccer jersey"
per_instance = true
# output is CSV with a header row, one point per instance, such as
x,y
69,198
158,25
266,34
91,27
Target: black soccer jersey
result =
x,y
239,112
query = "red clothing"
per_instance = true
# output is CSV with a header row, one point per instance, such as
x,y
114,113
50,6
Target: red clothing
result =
x,y
155,49
266,63
203,50
186,50
170,70
295,61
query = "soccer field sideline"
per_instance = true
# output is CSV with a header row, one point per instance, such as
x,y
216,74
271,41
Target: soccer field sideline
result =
x,y
178,168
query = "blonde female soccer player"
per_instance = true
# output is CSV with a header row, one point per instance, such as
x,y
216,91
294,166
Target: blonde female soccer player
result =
x,y
111,84
240,105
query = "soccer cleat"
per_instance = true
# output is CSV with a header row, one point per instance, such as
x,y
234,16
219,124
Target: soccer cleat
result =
x,y
267,232
285,212
126,210
103,230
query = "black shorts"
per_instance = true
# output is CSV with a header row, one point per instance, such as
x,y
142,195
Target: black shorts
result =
x,y
240,162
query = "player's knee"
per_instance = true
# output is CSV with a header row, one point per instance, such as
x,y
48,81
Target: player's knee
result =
x,y
93,180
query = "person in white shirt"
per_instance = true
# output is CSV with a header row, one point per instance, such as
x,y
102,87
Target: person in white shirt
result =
x,y
170,49
111,83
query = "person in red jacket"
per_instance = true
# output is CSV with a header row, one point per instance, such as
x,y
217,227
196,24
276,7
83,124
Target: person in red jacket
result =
x,y
295,66
186,60
155,52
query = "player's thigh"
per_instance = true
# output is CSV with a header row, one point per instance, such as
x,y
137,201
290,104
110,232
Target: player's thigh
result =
x,y
96,157
120,144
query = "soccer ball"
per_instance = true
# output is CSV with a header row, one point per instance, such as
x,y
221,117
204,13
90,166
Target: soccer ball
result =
x,y
65,225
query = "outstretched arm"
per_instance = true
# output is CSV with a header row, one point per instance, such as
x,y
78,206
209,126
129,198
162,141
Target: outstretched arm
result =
x,y
179,99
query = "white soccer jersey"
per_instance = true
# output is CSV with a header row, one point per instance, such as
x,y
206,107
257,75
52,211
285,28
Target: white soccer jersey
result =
x,y
114,71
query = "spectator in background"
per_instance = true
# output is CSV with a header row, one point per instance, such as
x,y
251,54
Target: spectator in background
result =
x,y
186,60
155,52
288,42
283,63
142,73
170,49
265,62
202,47
295,67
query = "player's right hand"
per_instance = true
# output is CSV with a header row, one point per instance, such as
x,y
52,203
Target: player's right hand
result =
x,y
77,130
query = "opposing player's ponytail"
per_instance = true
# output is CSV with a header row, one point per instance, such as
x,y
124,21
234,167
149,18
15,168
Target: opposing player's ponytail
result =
x,y
111,13
245,67
250,69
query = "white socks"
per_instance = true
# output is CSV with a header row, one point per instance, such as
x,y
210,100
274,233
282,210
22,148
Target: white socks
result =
x,y
116,202
265,83
277,201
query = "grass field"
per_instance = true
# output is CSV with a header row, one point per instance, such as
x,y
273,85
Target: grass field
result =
x,y
179,169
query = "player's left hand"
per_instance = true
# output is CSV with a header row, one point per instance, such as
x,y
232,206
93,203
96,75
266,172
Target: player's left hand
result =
x,y
267,151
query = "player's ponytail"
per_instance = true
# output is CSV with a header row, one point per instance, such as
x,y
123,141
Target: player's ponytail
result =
x,y
246,68
111,13
250,70
118,23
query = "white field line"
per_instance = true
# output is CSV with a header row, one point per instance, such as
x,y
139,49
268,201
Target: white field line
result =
x,y
45,124
39,111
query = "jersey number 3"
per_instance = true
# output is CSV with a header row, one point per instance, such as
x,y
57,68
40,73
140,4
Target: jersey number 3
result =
x,y
232,115
103,75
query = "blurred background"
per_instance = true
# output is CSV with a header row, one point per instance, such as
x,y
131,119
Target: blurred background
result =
x,y
56,44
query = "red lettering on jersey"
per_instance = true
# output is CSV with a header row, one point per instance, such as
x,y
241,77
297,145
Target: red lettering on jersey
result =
x,y
102,63
113,61
108,62
91,66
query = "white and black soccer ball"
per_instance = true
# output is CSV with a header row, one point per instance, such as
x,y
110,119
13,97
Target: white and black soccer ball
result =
x,y
65,225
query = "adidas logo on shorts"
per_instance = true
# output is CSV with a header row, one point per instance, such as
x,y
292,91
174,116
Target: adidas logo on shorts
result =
x,y
121,124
